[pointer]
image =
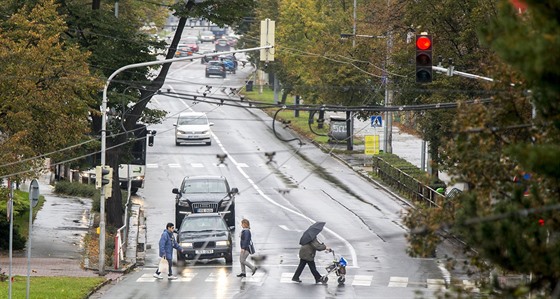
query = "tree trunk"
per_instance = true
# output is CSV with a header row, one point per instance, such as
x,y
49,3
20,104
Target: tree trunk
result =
x,y
114,209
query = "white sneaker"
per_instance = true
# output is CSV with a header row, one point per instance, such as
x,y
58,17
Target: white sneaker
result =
x,y
158,276
171,277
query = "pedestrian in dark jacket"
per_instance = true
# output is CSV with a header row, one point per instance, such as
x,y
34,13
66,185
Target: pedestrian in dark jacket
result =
x,y
307,257
166,244
245,244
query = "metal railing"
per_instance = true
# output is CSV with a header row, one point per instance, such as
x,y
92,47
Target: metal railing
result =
x,y
406,184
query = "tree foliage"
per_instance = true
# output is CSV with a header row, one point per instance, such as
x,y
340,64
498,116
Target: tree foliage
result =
x,y
45,90
508,153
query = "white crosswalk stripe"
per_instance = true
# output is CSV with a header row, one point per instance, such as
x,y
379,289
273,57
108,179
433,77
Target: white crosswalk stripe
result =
x,y
398,282
361,280
436,284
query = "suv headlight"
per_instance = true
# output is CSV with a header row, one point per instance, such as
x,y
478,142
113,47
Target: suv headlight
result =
x,y
183,203
222,243
186,245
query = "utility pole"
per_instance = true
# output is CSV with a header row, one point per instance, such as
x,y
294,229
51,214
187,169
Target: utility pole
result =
x,y
388,132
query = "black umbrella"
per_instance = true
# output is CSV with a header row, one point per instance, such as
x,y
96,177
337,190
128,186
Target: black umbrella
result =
x,y
311,233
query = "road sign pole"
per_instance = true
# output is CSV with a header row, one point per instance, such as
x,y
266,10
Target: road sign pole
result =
x,y
33,200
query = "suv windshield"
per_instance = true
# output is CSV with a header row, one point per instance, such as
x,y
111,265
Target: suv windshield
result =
x,y
205,186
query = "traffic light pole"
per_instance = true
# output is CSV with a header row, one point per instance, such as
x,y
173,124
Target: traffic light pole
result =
x,y
450,72
104,133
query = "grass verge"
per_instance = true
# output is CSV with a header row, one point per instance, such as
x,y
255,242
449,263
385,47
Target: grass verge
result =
x,y
60,287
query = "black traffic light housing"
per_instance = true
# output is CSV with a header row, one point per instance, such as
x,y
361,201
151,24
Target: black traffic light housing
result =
x,y
424,58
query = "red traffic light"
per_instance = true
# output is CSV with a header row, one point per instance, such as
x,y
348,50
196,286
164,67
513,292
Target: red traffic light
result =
x,y
423,43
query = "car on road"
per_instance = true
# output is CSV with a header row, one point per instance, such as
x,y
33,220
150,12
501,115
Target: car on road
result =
x,y
229,62
215,68
205,194
207,36
221,45
208,58
183,50
205,236
193,127
191,41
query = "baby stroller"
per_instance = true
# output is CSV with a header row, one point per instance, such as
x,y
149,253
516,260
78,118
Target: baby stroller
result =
x,y
337,267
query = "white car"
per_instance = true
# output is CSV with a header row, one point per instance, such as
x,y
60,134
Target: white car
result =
x,y
207,36
193,127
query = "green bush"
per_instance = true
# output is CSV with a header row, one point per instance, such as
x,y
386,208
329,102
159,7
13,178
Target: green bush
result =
x,y
76,189
84,190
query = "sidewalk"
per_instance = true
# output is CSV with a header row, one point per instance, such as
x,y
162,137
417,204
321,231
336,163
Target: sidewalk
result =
x,y
56,238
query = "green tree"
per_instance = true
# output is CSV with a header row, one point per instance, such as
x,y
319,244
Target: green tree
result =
x,y
508,152
44,92
116,42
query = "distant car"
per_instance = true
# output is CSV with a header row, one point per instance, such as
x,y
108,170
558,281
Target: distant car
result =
x,y
193,127
205,194
215,68
218,31
229,63
232,41
205,236
207,36
206,59
222,45
183,50
193,42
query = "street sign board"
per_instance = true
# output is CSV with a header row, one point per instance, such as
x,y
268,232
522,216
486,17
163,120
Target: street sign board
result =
x,y
376,121
34,193
371,145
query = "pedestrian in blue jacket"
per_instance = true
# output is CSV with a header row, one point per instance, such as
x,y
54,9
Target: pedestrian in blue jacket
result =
x,y
247,248
166,244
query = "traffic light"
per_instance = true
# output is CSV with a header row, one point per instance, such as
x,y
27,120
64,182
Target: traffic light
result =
x,y
104,176
151,136
423,58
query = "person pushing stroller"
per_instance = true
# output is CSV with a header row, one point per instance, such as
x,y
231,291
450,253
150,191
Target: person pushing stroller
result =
x,y
310,246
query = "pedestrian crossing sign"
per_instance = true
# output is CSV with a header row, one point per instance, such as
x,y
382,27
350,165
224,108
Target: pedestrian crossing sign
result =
x,y
376,121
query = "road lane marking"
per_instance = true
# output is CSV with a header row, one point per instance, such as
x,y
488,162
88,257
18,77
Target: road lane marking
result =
x,y
362,280
398,282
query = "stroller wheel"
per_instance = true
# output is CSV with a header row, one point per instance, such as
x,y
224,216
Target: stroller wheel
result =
x,y
324,279
341,280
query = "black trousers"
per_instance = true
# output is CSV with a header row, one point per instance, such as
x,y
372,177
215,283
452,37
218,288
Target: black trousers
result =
x,y
312,267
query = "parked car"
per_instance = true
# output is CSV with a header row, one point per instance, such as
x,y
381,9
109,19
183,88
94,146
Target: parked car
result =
x,y
205,194
193,127
183,50
193,42
207,36
205,236
216,68
222,45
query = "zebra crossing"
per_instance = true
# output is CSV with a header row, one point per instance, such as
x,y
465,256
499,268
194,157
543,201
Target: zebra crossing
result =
x,y
286,278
